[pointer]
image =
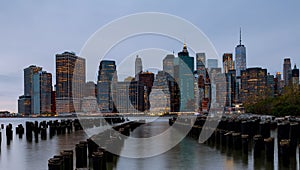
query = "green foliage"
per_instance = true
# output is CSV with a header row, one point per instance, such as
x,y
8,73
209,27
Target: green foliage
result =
x,y
286,104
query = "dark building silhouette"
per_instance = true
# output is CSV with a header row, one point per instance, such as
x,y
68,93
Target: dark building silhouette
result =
x,y
286,71
146,79
107,79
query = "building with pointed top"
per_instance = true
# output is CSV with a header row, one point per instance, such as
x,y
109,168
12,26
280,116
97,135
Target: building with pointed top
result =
x,y
240,57
184,69
295,76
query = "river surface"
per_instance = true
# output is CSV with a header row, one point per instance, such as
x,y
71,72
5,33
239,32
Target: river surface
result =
x,y
188,154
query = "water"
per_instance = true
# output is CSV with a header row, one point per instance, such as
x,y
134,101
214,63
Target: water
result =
x,y
21,154
188,154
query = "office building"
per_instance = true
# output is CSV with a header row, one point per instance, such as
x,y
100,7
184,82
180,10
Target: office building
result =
x,y
138,66
28,73
253,84
168,64
228,63
286,71
184,69
240,57
107,79
70,81
295,77
42,89
146,79
24,105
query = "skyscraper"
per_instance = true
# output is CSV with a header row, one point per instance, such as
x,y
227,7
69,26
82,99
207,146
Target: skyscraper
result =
x,y
200,63
107,79
286,70
168,64
42,89
295,77
70,81
146,79
184,68
230,88
240,57
228,63
253,84
28,73
138,66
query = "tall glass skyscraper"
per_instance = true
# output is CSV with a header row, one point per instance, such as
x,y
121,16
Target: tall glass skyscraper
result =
x,y
107,79
28,73
240,57
184,68
42,89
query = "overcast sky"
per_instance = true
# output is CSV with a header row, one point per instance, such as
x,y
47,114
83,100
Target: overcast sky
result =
x,y
32,32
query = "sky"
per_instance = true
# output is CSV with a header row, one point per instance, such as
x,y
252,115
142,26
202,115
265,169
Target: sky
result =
x,y
32,32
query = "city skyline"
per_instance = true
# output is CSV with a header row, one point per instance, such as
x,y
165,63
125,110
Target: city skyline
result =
x,y
200,57
72,90
268,36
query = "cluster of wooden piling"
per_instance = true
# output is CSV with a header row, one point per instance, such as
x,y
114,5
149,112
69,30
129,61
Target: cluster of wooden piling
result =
x,y
246,134
99,151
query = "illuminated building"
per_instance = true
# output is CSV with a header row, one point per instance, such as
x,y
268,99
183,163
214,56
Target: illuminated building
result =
x,y
240,57
228,63
70,80
253,84
42,89
24,105
28,73
107,78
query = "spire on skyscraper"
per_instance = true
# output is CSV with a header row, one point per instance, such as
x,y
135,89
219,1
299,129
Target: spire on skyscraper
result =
x,y
240,36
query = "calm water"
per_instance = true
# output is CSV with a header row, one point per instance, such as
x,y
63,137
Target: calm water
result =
x,y
188,154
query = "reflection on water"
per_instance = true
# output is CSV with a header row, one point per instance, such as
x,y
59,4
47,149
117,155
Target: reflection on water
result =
x,y
21,154
188,154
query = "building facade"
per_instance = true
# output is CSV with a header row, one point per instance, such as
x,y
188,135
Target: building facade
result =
x,y
253,84
286,70
184,70
228,63
138,66
240,57
107,79
28,74
70,81
42,89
